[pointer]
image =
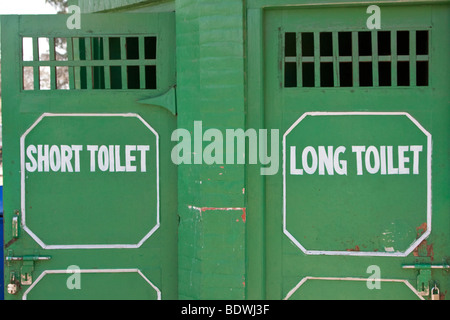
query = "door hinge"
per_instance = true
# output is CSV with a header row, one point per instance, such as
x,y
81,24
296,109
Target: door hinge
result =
x,y
167,100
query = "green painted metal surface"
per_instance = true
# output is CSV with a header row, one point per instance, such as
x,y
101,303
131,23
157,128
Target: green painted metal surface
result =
x,y
89,6
88,174
331,216
210,88
373,204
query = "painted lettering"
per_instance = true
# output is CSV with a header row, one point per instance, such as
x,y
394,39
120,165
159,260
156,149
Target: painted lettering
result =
x,y
328,160
103,158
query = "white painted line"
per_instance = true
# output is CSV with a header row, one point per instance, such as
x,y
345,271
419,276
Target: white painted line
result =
x,y
43,274
406,282
89,246
415,243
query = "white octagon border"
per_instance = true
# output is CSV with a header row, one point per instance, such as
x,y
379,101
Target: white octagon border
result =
x,y
417,242
302,282
89,246
43,274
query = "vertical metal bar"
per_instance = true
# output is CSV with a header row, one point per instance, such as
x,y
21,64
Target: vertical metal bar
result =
x,y
22,69
394,58
36,73
430,78
70,58
299,60
375,78
355,59
336,73
77,57
123,58
142,62
412,59
88,50
317,59
106,57
281,58
51,44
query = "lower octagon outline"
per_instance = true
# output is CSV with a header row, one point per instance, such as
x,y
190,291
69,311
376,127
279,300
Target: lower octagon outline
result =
x,y
90,246
406,282
416,242
43,274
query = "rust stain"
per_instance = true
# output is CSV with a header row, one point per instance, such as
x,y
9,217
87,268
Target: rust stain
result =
x,y
356,248
424,249
422,228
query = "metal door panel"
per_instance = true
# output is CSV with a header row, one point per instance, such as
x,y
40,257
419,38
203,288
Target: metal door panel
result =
x,y
325,224
88,171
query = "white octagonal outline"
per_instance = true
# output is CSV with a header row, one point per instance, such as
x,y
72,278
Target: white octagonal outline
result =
x,y
302,282
43,274
89,246
416,243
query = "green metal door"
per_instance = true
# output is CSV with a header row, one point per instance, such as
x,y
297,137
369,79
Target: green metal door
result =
x,y
360,208
90,202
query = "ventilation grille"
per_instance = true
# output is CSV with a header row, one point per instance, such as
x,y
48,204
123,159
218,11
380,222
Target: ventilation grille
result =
x,y
113,62
356,59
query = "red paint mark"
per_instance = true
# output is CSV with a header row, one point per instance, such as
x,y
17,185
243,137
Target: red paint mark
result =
x,y
354,249
219,209
244,215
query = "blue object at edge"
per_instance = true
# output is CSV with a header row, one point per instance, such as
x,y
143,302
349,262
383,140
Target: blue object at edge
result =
x,y
2,244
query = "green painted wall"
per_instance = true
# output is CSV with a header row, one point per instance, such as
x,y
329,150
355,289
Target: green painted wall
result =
x,y
210,60
221,208
88,6
210,88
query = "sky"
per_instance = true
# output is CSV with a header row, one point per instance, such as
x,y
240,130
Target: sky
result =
x,y
25,7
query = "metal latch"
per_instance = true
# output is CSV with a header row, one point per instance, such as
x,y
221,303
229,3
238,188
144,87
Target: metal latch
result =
x,y
424,276
28,258
26,271
15,227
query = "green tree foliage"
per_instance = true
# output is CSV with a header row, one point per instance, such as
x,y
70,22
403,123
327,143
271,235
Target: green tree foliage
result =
x,y
60,5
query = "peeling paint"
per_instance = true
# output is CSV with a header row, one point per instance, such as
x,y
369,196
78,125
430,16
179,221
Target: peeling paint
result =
x,y
203,209
243,216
